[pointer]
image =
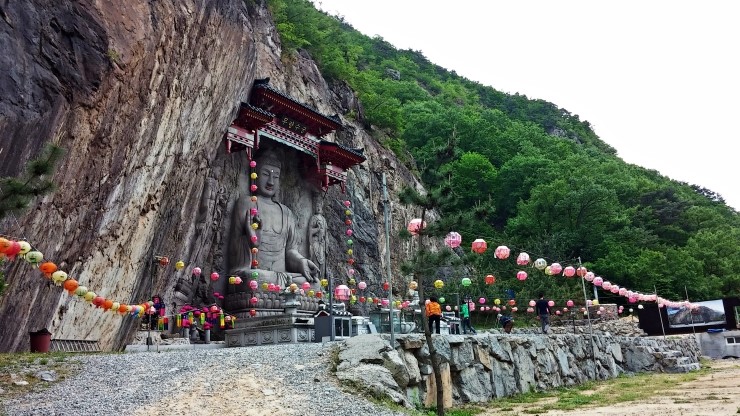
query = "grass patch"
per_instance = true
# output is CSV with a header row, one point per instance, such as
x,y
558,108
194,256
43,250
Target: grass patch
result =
x,y
625,388
24,366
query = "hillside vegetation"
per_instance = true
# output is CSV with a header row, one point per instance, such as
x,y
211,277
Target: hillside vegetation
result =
x,y
526,173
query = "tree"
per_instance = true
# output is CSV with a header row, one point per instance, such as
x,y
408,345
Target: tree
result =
x,y
17,193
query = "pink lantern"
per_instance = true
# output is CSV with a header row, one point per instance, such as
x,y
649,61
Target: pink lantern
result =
x,y
214,276
362,285
633,300
614,289
569,303
502,252
569,271
351,272
530,310
385,302
479,246
551,304
532,303
606,285
252,164
349,232
589,276
453,239
557,312
342,292
347,204
521,275
581,271
415,226
253,284
254,300
598,281
306,286
196,271
556,268
214,309
482,301
514,309
522,259
448,308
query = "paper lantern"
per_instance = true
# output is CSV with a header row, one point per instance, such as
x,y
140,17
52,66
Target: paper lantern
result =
x,y
448,308
530,310
415,226
439,284
482,301
324,282
81,291
197,271
551,303
479,246
349,232
98,301
532,303
293,287
123,308
512,302
71,285
385,302
232,280
594,302
306,286
13,249
362,299
589,276
557,312
502,252
441,299
214,309
253,284
214,276
58,277
413,285
569,271
311,293
180,265
581,271
497,301
34,257
453,239
23,247
598,281
614,289
521,275
362,285
556,268
540,264
569,303
522,259
342,292
606,285
548,271
490,279
639,306
253,300
466,281
48,268
386,286
622,291
238,280
108,304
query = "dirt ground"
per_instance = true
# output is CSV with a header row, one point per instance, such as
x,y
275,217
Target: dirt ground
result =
x,y
713,394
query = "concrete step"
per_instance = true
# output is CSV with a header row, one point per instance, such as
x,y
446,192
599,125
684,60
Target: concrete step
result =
x,y
683,368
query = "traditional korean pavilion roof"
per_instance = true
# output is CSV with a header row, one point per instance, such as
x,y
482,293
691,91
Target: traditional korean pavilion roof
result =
x,y
266,97
340,155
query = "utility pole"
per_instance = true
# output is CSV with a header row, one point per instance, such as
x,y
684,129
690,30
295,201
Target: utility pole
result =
x,y
386,214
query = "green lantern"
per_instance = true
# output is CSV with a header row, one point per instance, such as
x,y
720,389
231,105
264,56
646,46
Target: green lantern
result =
x,y
466,281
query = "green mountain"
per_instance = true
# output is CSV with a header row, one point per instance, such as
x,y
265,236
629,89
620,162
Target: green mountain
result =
x,y
525,173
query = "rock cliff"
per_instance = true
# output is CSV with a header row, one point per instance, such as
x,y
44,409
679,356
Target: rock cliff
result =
x,y
140,95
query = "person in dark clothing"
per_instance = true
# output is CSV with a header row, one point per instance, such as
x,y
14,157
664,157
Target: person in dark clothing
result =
x,y
507,322
543,311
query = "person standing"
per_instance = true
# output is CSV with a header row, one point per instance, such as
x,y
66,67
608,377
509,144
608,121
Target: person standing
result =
x,y
543,311
465,313
434,314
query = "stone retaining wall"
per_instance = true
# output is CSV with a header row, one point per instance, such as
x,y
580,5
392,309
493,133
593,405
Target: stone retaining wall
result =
x,y
486,366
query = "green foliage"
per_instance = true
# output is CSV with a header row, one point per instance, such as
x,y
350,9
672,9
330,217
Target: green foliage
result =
x,y
17,193
524,173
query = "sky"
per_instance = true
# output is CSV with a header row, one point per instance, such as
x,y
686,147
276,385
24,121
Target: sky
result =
x,y
658,80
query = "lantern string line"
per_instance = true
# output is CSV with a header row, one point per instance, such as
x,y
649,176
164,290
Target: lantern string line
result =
x,y
572,262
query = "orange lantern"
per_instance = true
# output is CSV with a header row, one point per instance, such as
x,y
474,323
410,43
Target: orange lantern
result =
x,y
107,304
512,302
123,308
48,268
479,246
490,279
70,285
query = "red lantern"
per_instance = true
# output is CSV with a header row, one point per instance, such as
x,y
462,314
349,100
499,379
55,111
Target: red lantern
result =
x,y
453,239
415,226
254,300
521,275
512,302
479,246
341,292
163,261
502,252
362,299
214,276
490,279
386,286
569,271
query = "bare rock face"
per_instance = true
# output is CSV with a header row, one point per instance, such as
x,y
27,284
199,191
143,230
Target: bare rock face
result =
x,y
139,95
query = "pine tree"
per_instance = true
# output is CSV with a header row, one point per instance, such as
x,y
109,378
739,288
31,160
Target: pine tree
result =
x,y
17,193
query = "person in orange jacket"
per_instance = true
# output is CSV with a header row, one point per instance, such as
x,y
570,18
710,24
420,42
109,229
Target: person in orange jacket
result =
x,y
434,314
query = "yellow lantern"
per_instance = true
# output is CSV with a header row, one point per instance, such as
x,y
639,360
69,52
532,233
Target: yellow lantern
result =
x,y
265,285
89,296
347,212
180,265
25,247
58,277
413,285
349,251
311,293
439,284
293,287
497,301
255,226
324,282
253,175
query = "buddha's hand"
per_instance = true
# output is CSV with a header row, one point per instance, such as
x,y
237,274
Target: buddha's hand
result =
x,y
309,270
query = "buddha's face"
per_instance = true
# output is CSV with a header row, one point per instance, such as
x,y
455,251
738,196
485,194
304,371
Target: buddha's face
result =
x,y
268,180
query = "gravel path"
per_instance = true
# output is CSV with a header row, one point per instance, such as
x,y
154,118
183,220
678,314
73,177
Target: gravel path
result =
x,y
268,380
